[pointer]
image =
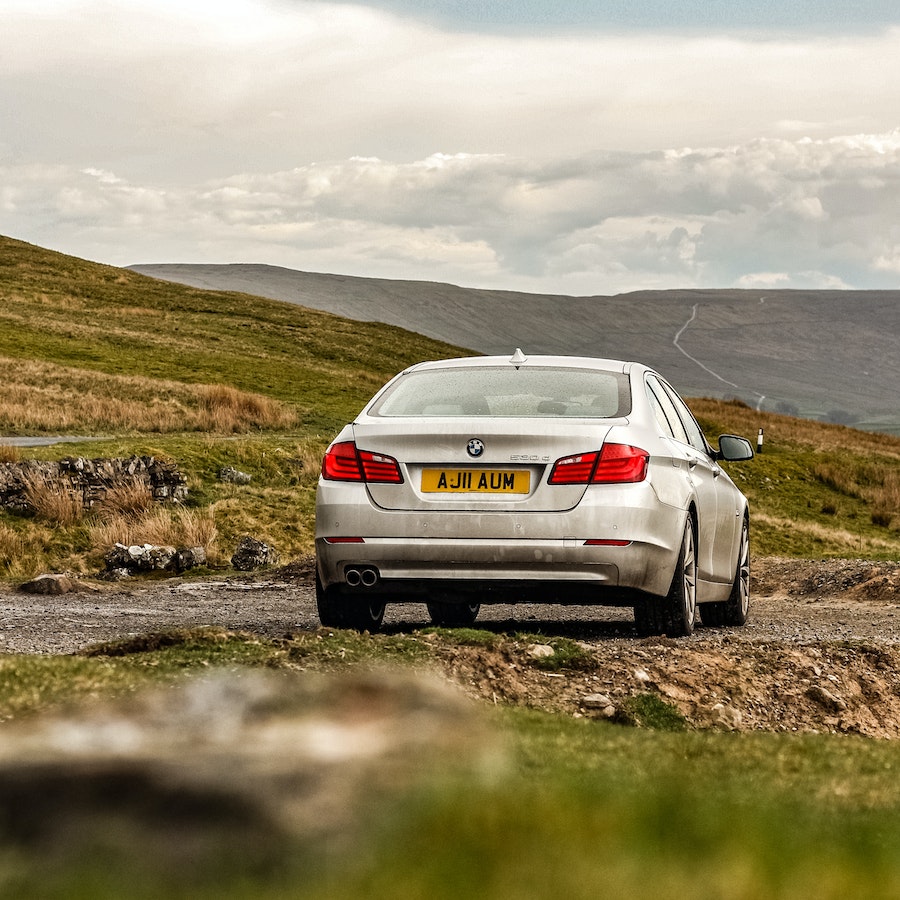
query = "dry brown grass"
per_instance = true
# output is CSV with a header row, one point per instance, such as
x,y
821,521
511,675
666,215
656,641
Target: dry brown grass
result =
x,y
835,540
734,416
163,524
876,483
44,397
127,499
226,409
9,454
14,550
53,502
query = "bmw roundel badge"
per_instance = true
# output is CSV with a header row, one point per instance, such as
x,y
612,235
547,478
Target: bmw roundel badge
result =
x,y
475,448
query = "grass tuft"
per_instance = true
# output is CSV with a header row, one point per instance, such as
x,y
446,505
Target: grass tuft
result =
x,y
651,711
567,654
467,637
53,502
227,409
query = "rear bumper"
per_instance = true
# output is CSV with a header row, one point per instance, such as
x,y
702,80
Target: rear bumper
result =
x,y
535,569
416,551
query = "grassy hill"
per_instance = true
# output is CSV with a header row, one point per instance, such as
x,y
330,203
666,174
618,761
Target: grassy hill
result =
x,y
829,355
212,378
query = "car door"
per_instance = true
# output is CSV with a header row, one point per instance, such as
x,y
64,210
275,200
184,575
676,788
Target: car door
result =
x,y
703,472
720,533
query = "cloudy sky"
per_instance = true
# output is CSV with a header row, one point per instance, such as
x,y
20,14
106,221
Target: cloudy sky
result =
x,y
574,146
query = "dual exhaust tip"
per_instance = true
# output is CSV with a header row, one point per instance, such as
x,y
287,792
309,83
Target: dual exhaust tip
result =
x,y
366,577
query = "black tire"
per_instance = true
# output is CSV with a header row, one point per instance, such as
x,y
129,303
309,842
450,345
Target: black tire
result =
x,y
363,613
650,616
735,609
681,602
452,615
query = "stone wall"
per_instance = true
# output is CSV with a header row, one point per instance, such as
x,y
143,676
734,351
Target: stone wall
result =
x,y
92,478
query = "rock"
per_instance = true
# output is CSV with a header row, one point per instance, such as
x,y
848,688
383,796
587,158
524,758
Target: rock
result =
x,y
727,716
234,476
116,574
540,651
600,702
189,557
150,558
158,770
90,479
595,701
253,554
48,584
122,557
831,702
157,559
140,557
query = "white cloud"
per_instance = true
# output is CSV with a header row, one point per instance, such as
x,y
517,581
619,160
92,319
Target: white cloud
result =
x,y
801,214
319,135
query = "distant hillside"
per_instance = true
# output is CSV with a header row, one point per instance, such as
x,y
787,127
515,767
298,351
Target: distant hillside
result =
x,y
74,336
833,355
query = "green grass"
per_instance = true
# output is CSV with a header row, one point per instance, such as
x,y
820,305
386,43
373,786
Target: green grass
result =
x,y
573,807
61,309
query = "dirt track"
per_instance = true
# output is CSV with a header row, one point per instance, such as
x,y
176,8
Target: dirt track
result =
x,y
820,653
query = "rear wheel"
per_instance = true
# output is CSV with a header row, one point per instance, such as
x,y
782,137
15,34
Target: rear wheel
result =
x,y
650,616
681,602
734,610
452,615
364,612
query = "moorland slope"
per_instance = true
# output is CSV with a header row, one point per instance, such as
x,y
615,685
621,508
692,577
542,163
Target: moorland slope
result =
x,y
830,355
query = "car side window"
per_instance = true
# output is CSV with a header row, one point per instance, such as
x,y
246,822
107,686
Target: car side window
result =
x,y
665,411
694,434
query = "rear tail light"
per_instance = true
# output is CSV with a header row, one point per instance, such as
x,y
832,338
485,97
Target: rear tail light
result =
x,y
345,462
614,464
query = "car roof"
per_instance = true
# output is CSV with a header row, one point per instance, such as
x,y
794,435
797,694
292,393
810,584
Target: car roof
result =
x,y
519,359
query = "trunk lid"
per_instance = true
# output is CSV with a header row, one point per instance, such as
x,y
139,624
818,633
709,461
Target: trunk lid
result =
x,y
479,464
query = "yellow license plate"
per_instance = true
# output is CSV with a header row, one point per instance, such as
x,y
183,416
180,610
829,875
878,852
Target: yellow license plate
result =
x,y
475,481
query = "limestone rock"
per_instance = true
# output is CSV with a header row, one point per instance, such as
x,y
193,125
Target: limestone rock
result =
x,y
253,554
234,476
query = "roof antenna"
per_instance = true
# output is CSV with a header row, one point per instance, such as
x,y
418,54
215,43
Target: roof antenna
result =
x,y
518,358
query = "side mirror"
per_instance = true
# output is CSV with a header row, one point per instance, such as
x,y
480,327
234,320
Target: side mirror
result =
x,y
733,448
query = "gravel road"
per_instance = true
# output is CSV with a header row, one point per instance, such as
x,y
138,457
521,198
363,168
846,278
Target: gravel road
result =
x,y
801,601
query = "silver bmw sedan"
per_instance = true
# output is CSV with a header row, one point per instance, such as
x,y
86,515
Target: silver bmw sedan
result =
x,y
546,479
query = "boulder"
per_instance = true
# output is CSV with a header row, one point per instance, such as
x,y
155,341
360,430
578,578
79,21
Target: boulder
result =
x,y
49,584
124,560
253,554
234,476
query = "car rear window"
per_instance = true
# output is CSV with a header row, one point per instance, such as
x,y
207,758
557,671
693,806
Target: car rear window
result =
x,y
532,392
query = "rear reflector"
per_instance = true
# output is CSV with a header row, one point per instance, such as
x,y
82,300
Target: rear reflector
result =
x,y
614,464
603,542
344,462
344,540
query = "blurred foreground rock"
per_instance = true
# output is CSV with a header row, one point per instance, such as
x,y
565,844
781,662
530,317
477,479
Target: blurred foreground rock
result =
x,y
236,765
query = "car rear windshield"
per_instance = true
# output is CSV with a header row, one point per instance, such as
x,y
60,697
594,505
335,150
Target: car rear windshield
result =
x,y
538,392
